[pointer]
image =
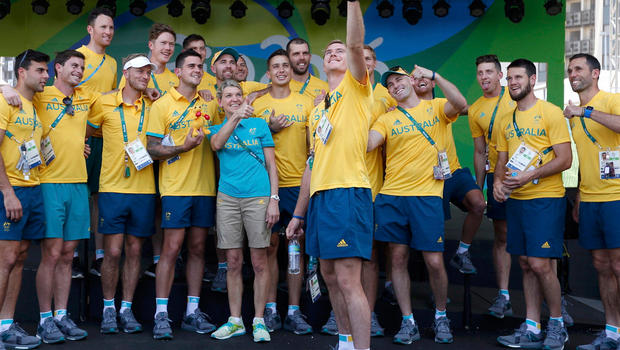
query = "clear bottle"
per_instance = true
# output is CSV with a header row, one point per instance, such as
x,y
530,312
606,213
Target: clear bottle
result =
x,y
294,251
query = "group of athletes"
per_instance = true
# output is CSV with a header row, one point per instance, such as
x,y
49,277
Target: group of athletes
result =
x,y
341,166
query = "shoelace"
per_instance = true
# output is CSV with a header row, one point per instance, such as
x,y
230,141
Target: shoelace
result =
x,y
443,324
129,316
554,332
202,316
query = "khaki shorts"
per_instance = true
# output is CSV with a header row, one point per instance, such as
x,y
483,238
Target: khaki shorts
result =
x,y
234,214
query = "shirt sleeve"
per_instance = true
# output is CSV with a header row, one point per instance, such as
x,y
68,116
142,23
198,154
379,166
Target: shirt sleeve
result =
x,y
501,142
157,120
613,104
95,117
379,125
474,126
557,126
214,129
5,114
266,140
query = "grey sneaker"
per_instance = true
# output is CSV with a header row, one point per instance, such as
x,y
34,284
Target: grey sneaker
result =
x,y
330,327
161,328
407,334
70,329
297,323
568,319
443,334
375,328
556,336
108,322
219,282
49,333
272,320
602,342
522,338
17,338
501,307
128,322
462,262
197,322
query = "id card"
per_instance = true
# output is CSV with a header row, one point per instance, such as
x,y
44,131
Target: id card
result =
x,y
32,154
138,154
442,170
47,150
314,288
609,162
522,157
168,141
324,129
487,164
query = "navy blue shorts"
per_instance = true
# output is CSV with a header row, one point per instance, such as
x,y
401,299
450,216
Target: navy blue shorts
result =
x,y
416,221
288,201
536,227
495,210
187,211
456,188
127,213
32,224
598,228
340,224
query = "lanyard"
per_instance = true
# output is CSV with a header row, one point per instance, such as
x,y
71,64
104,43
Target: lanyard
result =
x,y
303,88
520,136
238,140
155,83
124,126
93,73
418,126
60,115
34,127
585,130
494,113
182,117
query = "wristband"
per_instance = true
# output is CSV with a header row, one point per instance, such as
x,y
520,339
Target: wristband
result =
x,y
587,111
299,217
433,77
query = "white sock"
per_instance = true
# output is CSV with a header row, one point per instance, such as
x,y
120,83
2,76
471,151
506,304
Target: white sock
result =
x,y
75,253
271,306
99,254
236,320
345,342
292,309
155,259
463,247
5,324
45,315
612,332
258,320
125,305
532,326
161,305
409,318
505,293
59,314
439,314
108,303
192,305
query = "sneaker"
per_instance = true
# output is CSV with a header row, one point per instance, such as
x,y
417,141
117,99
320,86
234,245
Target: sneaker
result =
x,y
228,330
501,307
556,336
17,338
208,276
108,322
522,338
566,317
151,270
330,327
95,268
296,323
70,329
162,329
219,282
389,296
260,332
602,342
49,333
272,320
462,262
197,322
375,328
128,322
443,334
76,269
407,334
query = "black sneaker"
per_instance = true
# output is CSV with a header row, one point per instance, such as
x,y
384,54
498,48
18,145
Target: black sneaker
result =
x,y
76,269
151,270
95,268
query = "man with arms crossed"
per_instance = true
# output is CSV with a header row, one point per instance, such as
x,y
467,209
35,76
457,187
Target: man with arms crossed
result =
x,y
127,195
596,129
533,149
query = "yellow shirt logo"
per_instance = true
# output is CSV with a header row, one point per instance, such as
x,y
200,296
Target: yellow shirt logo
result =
x,y
545,245
7,226
261,201
342,244
440,240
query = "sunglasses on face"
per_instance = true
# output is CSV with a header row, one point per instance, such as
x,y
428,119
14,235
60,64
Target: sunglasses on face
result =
x,y
68,102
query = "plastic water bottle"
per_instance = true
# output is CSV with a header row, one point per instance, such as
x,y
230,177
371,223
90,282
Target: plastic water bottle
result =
x,y
293,257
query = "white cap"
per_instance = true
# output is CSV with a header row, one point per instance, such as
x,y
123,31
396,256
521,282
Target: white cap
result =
x,y
139,62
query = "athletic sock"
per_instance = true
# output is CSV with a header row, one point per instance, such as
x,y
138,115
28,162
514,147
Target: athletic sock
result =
x,y
236,320
222,266
75,253
345,342
125,305
161,305
155,259
59,314
108,303
439,314
559,319
258,320
505,293
532,326
409,318
292,309
271,306
463,247
5,324
612,332
192,305
99,254
45,315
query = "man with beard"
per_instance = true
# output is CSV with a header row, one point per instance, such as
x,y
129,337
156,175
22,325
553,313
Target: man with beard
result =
x,y
530,182
302,82
596,132
127,189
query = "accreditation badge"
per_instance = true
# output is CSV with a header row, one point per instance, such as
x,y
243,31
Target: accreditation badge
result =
x,y
168,141
609,164
32,154
138,154
522,157
324,129
47,150
442,170
487,164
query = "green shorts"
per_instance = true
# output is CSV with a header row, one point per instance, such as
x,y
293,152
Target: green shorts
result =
x,y
67,215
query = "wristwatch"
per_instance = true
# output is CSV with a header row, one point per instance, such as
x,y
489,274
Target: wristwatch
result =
x,y
275,197
587,111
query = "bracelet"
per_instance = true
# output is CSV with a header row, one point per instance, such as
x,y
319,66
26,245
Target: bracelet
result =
x,y
433,77
587,111
299,217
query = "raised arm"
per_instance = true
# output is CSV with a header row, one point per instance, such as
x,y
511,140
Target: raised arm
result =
x,y
355,41
456,101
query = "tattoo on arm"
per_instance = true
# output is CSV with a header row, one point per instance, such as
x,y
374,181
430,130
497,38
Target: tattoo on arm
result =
x,y
159,151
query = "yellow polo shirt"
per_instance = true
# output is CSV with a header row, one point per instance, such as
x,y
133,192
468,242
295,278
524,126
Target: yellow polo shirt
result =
x,y
314,87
